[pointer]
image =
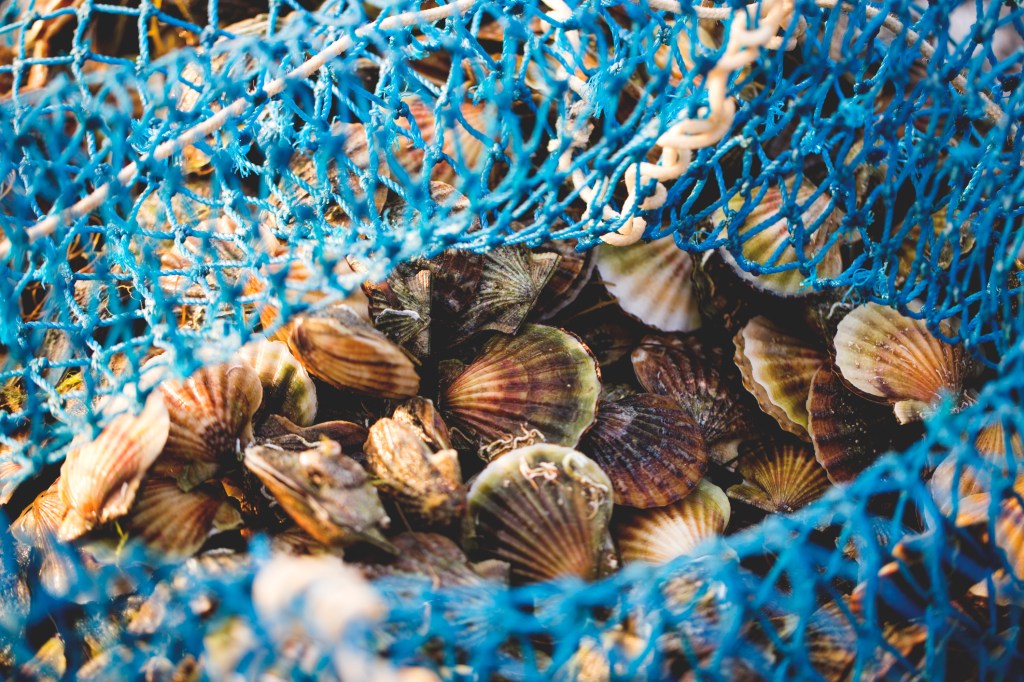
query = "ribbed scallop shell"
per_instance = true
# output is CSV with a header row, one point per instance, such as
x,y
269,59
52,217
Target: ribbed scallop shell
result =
x,y
768,239
885,354
211,420
336,346
462,144
428,555
777,368
510,284
174,523
426,485
570,277
12,473
422,414
847,432
651,282
39,526
660,535
287,388
975,476
544,509
779,476
99,479
679,368
541,385
651,449
400,307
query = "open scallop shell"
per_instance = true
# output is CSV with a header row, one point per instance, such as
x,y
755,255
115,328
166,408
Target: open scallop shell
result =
x,y
287,388
681,369
542,385
651,449
779,476
426,485
660,535
39,526
336,346
777,368
767,238
422,414
400,307
544,509
174,523
847,432
99,479
210,420
349,435
651,282
888,355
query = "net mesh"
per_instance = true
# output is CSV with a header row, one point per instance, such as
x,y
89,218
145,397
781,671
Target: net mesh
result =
x,y
906,118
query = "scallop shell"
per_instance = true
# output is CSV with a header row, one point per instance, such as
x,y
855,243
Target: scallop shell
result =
x,y
426,485
510,284
400,308
651,281
660,535
39,526
422,414
99,479
885,354
777,369
12,473
287,388
779,476
211,421
544,509
339,348
541,385
463,144
174,523
431,555
569,279
349,435
680,369
847,432
765,237
455,277
651,449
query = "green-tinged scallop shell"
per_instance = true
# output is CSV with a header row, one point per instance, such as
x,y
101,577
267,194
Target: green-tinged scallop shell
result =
x,y
211,421
400,307
766,237
678,367
660,535
510,284
541,385
174,523
99,479
777,368
544,509
779,476
339,348
287,388
847,432
422,414
426,485
651,449
277,429
39,526
651,282
888,355
326,493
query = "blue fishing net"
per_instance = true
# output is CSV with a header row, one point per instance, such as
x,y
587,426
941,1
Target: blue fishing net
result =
x,y
906,117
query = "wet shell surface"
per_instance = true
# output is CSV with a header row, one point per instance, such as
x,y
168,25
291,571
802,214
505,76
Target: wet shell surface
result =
x,y
336,346
426,485
847,432
544,509
39,526
660,535
779,476
542,385
651,449
886,354
287,388
651,282
766,238
211,420
777,368
175,523
679,368
99,480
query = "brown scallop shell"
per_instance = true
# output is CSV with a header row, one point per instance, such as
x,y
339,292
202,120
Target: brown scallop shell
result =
x,y
349,435
174,523
421,413
211,421
888,355
569,279
99,479
433,556
779,476
651,449
339,348
542,385
400,307
777,368
678,367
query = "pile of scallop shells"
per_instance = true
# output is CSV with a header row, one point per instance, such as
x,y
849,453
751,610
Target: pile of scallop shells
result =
x,y
515,416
